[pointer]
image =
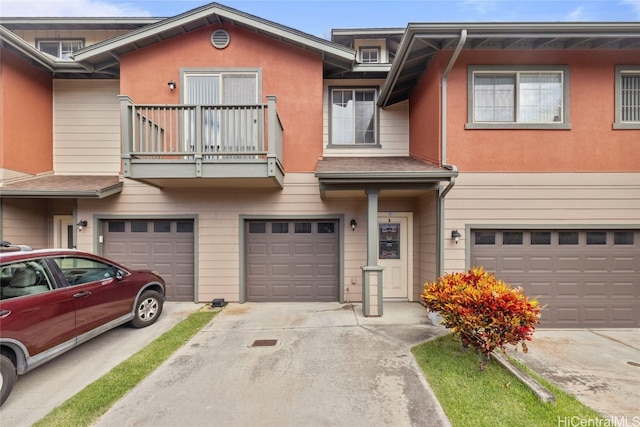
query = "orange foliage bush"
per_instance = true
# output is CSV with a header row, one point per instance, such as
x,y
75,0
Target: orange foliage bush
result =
x,y
485,312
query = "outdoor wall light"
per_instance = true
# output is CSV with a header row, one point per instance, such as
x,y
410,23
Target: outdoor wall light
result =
x,y
81,224
455,235
172,85
354,223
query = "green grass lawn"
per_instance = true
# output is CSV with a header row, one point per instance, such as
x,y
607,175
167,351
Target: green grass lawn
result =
x,y
493,397
93,401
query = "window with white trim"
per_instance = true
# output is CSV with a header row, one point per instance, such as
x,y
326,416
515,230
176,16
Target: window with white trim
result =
x,y
369,55
62,49
353,116
516,97
627,97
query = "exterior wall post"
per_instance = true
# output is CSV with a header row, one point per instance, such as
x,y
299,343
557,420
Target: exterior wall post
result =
x,y
126,133
372,272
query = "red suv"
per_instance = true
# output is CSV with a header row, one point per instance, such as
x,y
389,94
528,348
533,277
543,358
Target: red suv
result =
x,y
52,300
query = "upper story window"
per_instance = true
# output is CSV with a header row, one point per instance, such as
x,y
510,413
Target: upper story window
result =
x,y
627,97
516,97
62,49
369,55
353,115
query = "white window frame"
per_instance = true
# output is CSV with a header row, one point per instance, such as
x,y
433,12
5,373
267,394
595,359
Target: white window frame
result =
x,y
64,55
562,121
619,123
368,51
354,90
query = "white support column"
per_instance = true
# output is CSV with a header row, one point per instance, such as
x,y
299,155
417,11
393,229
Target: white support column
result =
x,y
372,273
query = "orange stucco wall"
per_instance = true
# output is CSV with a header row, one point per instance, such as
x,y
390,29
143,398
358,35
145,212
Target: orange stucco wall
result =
x,y
424,115
292,74
26,134
590,146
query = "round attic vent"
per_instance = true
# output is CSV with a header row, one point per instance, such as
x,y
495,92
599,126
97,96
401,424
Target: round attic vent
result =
x,y
220,39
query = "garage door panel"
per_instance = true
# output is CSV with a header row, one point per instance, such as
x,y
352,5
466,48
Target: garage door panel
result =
x,y
303,249
280,248
595,290
568,264
540,264
303,270
257,248
582,283
280,270
513,264
301,262
161,248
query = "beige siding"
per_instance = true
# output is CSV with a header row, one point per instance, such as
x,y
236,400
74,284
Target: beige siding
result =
x,y
427,225
26,222
393,126
530,199
89,36
218,239
86,119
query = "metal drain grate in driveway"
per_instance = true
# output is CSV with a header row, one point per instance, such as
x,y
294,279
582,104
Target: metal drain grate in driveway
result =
x,y
264,343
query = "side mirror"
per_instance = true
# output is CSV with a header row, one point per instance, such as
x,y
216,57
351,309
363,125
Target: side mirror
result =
x,y
119,274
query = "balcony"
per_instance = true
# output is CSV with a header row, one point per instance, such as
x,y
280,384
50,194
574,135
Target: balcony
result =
x,y
179,146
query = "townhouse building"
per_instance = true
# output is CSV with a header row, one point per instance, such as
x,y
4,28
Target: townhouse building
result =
x,y
250,161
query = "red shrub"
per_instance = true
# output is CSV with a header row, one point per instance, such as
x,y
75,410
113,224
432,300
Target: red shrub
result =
x,y
486,312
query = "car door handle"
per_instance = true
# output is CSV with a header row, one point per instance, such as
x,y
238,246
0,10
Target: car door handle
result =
x,y
4,313
82,294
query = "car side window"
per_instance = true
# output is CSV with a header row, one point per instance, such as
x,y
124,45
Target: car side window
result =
x,y
24,278
78,270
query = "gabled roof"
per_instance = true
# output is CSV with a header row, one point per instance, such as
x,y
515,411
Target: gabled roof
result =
x,y
421,41
49,63
106,54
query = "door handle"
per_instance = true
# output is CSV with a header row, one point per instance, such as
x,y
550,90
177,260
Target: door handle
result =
x,y
82,294
4,313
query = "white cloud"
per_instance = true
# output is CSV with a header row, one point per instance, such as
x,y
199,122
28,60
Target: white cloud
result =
x,y
635,6
69,8
481,7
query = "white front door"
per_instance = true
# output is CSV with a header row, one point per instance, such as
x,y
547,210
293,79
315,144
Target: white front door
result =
x,y
63,231
394,255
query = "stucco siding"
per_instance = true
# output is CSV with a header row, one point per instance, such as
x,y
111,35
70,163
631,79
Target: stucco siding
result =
x,y
528,199
86,117
393,126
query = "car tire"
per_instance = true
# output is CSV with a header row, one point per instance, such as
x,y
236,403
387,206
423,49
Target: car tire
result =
x,y
8,376
147,309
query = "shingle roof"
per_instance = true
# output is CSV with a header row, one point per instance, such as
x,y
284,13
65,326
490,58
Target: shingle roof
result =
x,y
57,186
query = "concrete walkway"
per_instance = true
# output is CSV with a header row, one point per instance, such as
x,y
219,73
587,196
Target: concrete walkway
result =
x,y
329,366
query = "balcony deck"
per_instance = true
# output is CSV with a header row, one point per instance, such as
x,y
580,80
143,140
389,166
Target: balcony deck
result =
x,y
187,145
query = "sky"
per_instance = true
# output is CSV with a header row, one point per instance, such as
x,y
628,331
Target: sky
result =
x,y
319,17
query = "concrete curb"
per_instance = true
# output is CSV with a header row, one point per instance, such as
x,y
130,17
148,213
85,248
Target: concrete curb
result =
x,y
540,390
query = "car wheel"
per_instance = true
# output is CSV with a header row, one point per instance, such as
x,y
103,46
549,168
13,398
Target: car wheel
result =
x,y
148,309
8,377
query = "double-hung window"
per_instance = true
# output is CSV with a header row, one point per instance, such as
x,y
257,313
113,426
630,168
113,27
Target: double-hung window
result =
x,y
353,115
369,55
627,97
62,49
516,97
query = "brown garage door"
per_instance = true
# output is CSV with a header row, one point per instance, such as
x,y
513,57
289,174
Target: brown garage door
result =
x,y
587,278
165,246
292,260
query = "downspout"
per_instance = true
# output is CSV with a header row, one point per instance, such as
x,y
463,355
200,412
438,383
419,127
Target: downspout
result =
x,y
443,154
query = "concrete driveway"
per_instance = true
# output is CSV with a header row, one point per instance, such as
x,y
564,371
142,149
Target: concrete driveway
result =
x,y
38,392
298,364
600,367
